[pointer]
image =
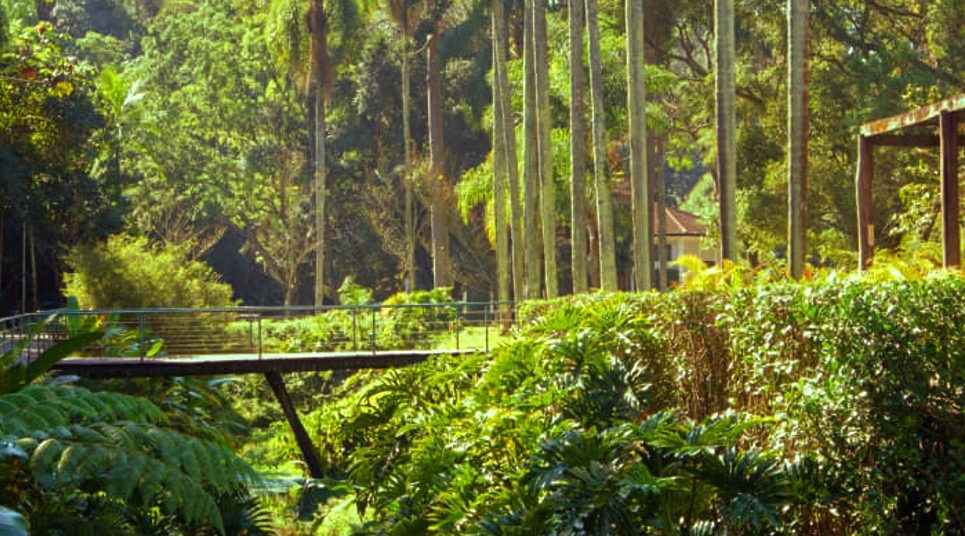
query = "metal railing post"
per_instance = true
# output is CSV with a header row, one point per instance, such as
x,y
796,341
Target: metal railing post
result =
x,y
455,324
141,334
260,345
486,323
355,328
374,347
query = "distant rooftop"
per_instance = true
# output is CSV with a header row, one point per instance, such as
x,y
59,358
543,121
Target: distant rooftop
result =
x,y
680,223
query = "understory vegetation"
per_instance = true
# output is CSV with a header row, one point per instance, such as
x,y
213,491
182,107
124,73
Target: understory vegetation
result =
x,y
817,408
826,407
127,459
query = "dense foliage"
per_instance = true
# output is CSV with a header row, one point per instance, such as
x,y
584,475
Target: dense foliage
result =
x,y
127,272
818,408
74,461
408,321
191,124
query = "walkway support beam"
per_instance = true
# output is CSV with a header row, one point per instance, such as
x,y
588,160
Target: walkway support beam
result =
x,y
951,241
301,436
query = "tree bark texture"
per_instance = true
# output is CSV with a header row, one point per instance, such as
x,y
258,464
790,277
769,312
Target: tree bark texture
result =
x,y
319,61
797,109
409,217
437,179
725,90
604,201
530,160
512,161
503,267
577,150
639,183
544,120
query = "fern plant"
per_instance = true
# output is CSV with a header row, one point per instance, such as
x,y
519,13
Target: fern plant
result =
x,y
71,441
71,458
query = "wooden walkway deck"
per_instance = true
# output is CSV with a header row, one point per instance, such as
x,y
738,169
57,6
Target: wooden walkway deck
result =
x,y
213,365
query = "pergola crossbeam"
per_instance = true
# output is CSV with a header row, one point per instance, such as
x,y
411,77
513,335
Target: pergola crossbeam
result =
x,y
926,115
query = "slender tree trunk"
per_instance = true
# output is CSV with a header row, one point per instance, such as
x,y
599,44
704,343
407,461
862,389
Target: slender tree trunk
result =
x,y
660,189
577,150
319,55
503,268
33,266
726,127
409,217
544,120
797,109
530,159
658,31
23,269
604,201
639,183
512,162
440,229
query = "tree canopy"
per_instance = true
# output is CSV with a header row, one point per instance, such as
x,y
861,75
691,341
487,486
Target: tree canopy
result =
x,y
189,123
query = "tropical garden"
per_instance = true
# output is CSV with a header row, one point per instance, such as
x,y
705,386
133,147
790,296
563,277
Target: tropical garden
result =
x,y
215,153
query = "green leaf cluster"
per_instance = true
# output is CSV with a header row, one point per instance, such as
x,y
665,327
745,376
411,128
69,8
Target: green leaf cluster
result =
x,y
832,405
88,456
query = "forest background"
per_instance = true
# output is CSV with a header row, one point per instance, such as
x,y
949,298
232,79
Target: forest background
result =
x,y
193,124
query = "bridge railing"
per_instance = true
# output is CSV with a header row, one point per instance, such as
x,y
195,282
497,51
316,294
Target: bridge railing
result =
x,y
271,330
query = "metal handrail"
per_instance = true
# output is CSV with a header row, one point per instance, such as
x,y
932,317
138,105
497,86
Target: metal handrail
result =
x,y
199,331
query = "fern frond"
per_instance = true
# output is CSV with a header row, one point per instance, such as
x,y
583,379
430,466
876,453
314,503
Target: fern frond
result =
x,y
41,407
78,439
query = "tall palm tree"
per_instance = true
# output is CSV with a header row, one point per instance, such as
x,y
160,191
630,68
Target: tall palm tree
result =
x,y
726,126
797,131
604,201
400,11
530,159
544,131
318,28
503,264
508,137
288,34
577,150
437,158
636,105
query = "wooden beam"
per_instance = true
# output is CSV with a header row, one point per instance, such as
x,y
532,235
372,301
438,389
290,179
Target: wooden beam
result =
x,y
863,179
911,140
951,243
919,116
301,436
214,365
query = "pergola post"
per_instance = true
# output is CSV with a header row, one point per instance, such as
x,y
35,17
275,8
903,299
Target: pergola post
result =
x,y
866,226
951,244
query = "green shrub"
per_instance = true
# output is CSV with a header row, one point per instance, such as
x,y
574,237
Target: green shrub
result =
x,y
832,406
128,272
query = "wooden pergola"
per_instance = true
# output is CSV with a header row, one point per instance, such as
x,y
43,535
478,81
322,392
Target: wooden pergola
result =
x,y
914,129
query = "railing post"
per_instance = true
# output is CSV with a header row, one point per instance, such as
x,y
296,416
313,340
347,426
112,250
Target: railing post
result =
x,y
455,323
141,334
374,347
486,323
259,338
355,328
